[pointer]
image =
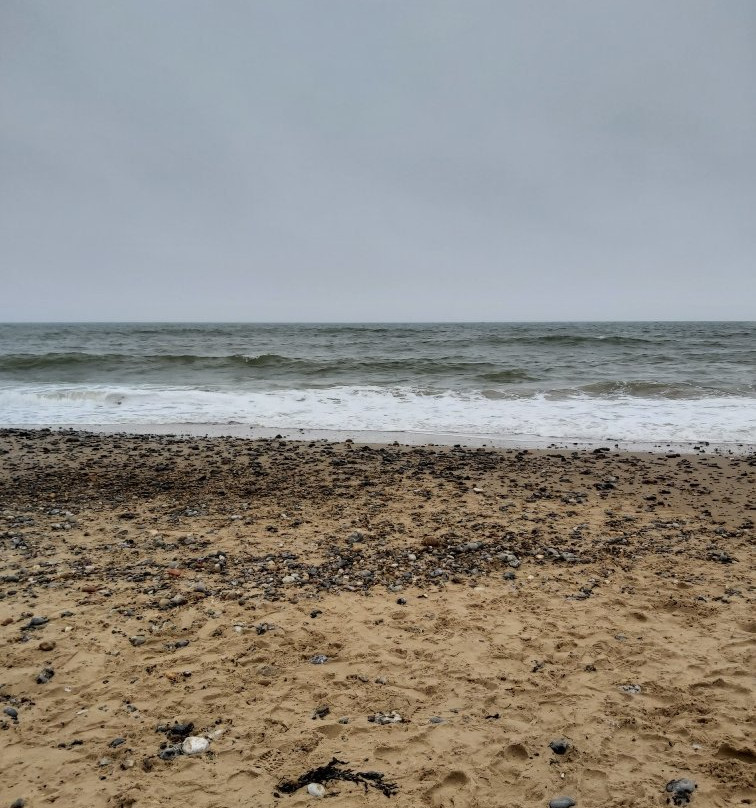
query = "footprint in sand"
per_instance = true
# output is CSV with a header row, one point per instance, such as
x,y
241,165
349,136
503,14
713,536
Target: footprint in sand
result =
x,y
450,791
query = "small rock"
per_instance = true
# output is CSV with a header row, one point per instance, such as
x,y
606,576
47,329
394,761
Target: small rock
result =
x,y
321,712
47,645
169,753
44,677
559,746
401,601
137,640
316,790
195,745
681,790
631,689
116,742
562,802
344,720
435,719
12,712
19,803
37,622
319,659
385,718
104,761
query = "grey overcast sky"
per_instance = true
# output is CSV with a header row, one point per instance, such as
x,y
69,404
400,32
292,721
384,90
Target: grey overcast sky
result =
x,y
377,159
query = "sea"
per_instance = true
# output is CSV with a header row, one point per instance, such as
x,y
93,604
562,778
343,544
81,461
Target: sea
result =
x,y
636,383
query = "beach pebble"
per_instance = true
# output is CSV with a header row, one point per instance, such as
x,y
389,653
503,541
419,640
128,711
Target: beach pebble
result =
x,y
631,689
137,640
169,753
45,675
385,718
562,802
319,659
12,712
559,746
116,742
19,803
435,719
195,745
46,645
316,790
321,712
681,790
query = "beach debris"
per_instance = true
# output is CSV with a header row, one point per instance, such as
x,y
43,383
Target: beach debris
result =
x,y
316,790
681,790
385,718
261,628
321,712
333,771
630,689
170,752
195,745
179,730
562,802
319,659
45,675
559,746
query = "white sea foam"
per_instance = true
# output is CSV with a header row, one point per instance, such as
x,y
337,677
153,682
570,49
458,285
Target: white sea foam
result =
x,y
579,417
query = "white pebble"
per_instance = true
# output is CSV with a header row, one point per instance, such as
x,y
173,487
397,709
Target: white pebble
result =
x,y
194,745
315,790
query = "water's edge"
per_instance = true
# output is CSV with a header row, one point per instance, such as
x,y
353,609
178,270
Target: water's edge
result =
x,y
378,438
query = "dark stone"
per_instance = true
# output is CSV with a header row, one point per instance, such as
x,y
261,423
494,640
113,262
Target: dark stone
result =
x,y
562,802
321,712
169,753
37,622
681,790
181,643
116,742
559,746
401,601
319,659
19,803
179,731
12,712
44,677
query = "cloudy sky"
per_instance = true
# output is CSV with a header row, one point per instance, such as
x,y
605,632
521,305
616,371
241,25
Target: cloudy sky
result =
x,y
377,160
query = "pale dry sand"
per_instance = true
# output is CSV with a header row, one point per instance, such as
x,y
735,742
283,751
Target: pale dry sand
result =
x,y
634,570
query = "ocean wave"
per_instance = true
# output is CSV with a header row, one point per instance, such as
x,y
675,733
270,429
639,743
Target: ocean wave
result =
x,y
157,366
579,417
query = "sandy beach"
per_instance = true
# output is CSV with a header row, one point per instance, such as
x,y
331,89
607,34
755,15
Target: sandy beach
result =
x,y
467,627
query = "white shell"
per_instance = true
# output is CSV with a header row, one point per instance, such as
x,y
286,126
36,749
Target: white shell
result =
x,y
194,745
315,790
